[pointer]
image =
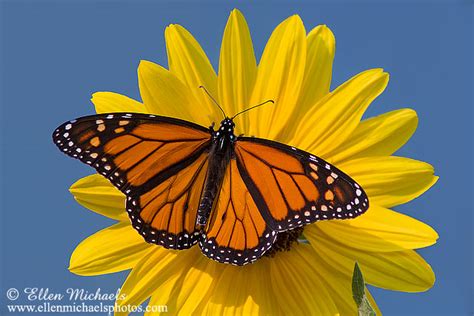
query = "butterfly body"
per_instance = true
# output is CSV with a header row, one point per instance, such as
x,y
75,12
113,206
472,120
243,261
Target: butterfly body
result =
x,y
187,184
220,154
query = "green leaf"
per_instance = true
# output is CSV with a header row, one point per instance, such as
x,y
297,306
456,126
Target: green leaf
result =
x,y
358,293
358,285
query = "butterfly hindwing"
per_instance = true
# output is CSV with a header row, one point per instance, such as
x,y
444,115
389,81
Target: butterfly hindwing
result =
x,y
236,232
159,163
166,215
293,188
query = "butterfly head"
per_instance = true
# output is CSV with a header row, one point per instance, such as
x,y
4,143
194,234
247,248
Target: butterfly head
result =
x,y
226,130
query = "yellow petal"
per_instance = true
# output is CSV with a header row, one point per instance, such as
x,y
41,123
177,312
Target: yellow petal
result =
x,y
198,280
318,72
279,78
154,307
159,269
339,285
295,281
164,94
188,61
107,102
321,46
237,69
333,119
399,270
250,293
377,136
180,279
97,194
378,230
116,248
391,181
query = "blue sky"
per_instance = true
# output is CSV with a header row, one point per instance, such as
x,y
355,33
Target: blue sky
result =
x,y
54,55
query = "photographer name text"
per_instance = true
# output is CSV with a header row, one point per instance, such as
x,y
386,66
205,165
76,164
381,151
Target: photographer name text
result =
x,y
71,294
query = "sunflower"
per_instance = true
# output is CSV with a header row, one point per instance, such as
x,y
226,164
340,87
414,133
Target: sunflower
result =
x,y
312,277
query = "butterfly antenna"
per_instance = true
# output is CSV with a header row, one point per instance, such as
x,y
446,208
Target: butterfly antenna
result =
x,y
214,100
253,107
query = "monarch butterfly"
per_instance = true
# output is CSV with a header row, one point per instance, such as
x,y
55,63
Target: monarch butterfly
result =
x,y
187,184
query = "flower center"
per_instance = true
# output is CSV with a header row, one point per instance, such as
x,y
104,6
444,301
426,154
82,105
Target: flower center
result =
x,y
284,241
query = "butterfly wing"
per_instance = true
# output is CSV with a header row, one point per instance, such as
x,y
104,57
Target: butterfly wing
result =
x,y
160,163
292,188
236,232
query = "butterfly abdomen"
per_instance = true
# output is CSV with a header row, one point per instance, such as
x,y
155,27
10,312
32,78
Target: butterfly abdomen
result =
x,y
218,161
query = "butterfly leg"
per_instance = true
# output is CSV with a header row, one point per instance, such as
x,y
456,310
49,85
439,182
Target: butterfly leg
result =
x,y
211,128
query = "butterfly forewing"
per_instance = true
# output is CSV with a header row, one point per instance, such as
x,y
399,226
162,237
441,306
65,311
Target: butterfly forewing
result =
x,y
159,163
293,188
